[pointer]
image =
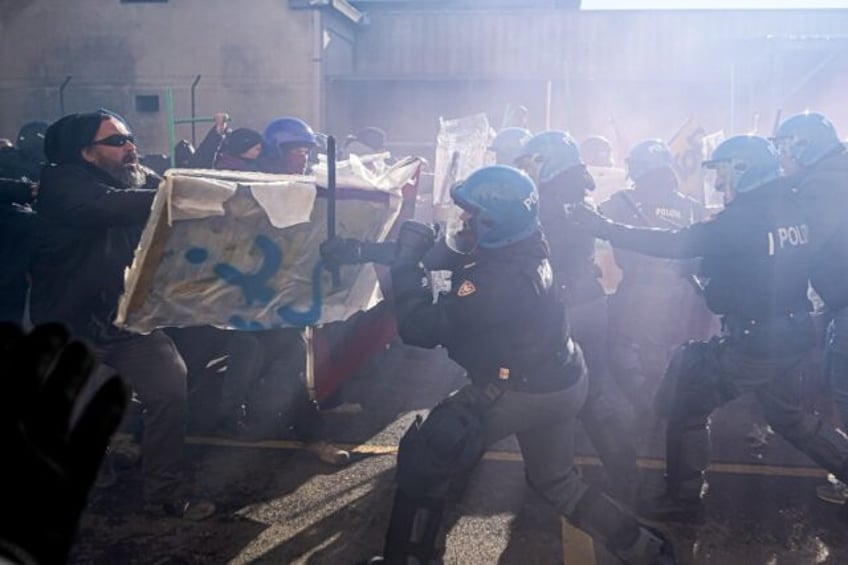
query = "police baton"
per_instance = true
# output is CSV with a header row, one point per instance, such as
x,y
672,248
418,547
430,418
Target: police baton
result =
x,y
331,201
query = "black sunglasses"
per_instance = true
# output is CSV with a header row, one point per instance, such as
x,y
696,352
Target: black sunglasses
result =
x,y
117,140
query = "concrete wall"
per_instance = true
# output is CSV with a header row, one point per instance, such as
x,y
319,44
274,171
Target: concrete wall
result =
x,y
627,75
258,59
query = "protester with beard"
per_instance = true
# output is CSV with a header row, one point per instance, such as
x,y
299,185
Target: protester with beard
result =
x,y
94,200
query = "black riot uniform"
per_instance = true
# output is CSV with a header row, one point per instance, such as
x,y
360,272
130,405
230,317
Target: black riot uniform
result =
x,y
755,257
656,305
503,322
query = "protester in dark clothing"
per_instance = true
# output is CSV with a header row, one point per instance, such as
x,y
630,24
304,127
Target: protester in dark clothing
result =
x,y
365,142
16,220
239,150
52,443
26,159
94,200
184,154
756,258
205,154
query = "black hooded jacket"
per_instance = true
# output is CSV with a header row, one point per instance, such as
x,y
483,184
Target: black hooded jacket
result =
x,y
87,230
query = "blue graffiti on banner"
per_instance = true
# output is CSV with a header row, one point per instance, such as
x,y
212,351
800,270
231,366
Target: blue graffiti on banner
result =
x,y
313,313
253,286
197,255
254,289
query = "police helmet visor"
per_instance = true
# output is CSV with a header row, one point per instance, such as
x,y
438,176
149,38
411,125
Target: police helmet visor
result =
x,y
725,172
460,234
785,144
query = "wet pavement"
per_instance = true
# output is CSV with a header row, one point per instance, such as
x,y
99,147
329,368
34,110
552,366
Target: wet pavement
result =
x,y
279,504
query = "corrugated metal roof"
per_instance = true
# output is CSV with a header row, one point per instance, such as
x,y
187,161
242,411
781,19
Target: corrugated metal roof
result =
x,y
541,43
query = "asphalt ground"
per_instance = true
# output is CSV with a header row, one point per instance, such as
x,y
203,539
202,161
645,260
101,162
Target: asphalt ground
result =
x,y
279,504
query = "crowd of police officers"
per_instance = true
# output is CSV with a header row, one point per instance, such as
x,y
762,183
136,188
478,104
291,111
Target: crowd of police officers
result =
x,y
545,347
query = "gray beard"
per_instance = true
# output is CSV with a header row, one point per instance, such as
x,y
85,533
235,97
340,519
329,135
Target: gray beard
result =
x,y
133,177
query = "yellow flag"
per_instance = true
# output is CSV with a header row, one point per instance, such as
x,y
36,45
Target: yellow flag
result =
x,y
687,146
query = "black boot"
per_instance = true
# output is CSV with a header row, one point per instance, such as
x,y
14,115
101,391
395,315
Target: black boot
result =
x,y
413,527
619,532
650,548
669,508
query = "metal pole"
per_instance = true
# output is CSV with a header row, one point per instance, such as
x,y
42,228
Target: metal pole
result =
x,y
62,94
567,105
308,334
331,200
732,98
193,108
169,115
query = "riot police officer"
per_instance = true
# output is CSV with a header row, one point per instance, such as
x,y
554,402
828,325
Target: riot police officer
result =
x,y
756,254
597,151
503,322
656,303
563,179
817,165
508,144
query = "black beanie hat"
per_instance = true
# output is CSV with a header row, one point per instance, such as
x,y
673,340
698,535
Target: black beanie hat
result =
x,y
68,136
240,140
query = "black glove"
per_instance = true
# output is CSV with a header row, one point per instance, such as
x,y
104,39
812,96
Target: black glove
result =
x,y
48,465
587,218
413,242
339,251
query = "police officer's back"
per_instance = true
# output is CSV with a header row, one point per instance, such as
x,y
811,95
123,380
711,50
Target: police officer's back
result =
x,y
756,257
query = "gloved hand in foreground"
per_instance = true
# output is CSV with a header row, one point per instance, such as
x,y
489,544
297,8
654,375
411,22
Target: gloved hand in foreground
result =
x,y
338,251
48,464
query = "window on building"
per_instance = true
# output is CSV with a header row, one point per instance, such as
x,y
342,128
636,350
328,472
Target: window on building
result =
x,y
147,103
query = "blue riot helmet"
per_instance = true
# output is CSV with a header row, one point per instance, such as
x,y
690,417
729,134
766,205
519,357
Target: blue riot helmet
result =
x,y
806,138
744,163
554,152
289,130
597,151
502,203
647,156
508,144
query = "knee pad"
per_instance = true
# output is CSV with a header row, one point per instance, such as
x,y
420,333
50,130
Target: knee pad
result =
x,y
433,451
687,384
